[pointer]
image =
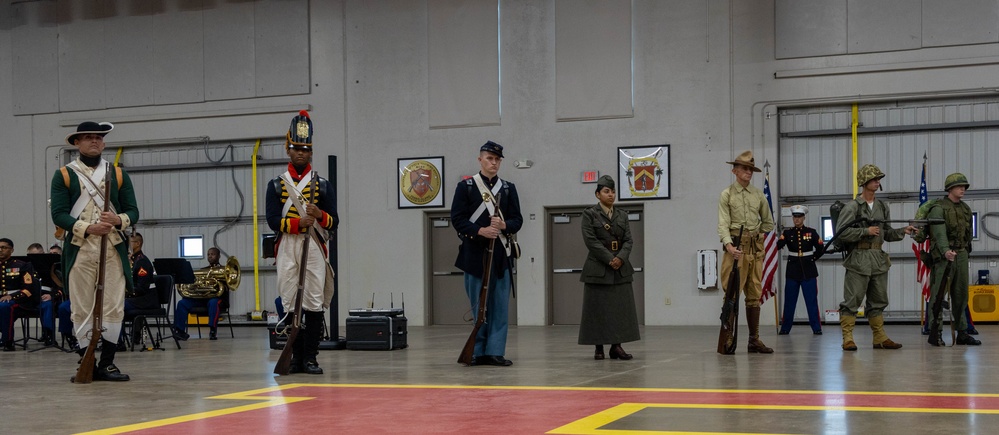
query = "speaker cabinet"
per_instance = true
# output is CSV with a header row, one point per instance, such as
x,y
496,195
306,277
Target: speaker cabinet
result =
x,y
983,304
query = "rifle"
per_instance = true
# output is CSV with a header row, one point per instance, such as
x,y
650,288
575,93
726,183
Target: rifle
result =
x,y
465,357
939,305
85,373
729,333
283,366
865,222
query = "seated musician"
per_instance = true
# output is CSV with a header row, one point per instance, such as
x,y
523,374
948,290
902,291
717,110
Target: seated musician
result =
x,y
51,295
143,295
64,309
18,289
215,305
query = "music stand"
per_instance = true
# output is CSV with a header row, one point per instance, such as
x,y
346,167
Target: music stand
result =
x,y
182,273
179,268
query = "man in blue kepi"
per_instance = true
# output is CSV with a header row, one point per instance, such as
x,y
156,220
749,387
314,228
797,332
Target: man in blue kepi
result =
x,y
477,222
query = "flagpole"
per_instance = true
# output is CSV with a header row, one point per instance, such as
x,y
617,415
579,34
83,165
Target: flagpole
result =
x,y
776,288
922,297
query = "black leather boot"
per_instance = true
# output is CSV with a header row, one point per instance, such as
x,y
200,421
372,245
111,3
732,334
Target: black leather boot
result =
x,y
106,370
313,333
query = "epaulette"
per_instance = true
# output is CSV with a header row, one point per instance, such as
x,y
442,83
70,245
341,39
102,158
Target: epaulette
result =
x,y
469,181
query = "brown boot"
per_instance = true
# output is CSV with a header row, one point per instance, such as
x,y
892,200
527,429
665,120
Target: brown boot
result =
x,y
847,322
881,340
753,319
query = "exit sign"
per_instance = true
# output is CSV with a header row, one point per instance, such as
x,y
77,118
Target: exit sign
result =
x,y
590,176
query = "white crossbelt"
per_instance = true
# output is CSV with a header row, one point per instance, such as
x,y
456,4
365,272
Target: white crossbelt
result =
x,y
90,191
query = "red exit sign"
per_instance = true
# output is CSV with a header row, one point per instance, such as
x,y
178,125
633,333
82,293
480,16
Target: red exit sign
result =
x,y
590,176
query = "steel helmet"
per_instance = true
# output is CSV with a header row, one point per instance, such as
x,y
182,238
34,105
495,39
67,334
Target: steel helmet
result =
x,y
956,179
867,173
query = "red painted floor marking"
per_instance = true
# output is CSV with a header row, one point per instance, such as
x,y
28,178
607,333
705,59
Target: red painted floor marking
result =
x,y
501,410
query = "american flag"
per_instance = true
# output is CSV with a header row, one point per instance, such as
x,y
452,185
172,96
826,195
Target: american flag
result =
x,y
769,249
922,272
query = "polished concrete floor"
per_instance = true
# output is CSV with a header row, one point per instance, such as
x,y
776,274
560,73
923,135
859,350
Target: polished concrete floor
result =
x,y
675,384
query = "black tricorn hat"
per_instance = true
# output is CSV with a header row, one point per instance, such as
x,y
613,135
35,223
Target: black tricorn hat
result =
x,y
88,127
492,147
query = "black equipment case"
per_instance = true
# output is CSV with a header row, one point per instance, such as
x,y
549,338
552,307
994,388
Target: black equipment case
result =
x,y
376,329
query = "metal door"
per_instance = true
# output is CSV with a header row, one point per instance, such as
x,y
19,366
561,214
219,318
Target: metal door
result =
x,y
568,253
448,302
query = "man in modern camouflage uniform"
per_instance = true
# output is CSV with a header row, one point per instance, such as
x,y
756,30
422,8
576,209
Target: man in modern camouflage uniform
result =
x,y
866,263
951,242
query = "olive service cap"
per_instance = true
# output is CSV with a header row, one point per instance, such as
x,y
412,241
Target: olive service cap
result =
x,y
746,159
88,127
300,132
605,181
867,173
956,179
798,210
492,147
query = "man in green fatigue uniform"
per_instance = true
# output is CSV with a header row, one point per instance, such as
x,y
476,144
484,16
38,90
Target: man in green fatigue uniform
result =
x,y
866,263
951,242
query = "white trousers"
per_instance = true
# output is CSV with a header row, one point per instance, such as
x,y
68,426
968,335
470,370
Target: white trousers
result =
x,y
289,258
83,291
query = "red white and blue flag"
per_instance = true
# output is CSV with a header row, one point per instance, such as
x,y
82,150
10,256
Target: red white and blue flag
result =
x,y
769,249
922,272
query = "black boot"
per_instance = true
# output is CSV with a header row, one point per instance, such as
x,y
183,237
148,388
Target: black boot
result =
x,y
106,370
310,349
48,338
296,352
71,342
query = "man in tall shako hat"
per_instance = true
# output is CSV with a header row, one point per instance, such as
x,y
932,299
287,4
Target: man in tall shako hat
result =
x,y
297,201
477,222
78,199
804,246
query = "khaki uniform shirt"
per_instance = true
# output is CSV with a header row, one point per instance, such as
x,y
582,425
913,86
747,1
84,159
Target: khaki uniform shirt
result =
x,y
743,207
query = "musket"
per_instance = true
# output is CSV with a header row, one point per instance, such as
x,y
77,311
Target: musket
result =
x,y
283,366
85,373
465,357
729,333
938,304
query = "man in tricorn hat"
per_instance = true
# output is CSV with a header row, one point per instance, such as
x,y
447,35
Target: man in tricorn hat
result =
x,y
78,199
477,222
743,205
949,245
297,201
866,262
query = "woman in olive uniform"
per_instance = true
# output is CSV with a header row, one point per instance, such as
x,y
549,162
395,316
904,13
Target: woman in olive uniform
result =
x,y
609,315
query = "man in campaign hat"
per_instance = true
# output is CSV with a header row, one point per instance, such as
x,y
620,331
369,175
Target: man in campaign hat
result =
x,y
743,205
487,208
301,209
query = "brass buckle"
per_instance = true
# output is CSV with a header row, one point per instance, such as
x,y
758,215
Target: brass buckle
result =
x,y
614,246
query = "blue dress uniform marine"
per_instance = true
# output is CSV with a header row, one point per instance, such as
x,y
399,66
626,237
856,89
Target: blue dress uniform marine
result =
x,y
18,290
804,247
315,194
470,215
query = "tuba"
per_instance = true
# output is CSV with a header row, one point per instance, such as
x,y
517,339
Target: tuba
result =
x,y
212,282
